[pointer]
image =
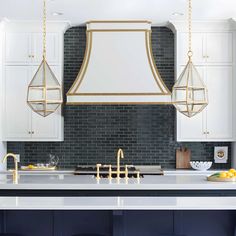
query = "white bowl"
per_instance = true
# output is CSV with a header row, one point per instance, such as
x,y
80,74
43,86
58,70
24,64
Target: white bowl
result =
x,y
201,165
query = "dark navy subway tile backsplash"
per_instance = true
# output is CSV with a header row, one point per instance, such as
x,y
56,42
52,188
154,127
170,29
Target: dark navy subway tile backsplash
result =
x,y
94,132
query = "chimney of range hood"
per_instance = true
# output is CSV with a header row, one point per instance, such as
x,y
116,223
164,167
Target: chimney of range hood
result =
x,y
118,66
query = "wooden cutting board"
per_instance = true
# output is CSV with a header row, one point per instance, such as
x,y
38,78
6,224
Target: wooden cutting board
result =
x,y
183,156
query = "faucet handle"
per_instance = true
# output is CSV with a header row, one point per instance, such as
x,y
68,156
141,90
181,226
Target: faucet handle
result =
x,y
110,171
138,174
127,171
98,171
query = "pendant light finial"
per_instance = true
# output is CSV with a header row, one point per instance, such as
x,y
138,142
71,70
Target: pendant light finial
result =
x,y
44,91
189,93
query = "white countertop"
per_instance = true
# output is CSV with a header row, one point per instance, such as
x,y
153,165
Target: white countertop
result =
x,y
64,181
59,180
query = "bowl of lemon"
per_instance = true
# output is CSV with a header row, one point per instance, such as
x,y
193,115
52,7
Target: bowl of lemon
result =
x,y
223,176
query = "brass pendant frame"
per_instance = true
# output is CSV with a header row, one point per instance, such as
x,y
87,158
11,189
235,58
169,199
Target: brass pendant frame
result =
x,y
185,97
43,104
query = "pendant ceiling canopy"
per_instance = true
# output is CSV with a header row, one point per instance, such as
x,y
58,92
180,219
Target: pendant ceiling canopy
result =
x,y
189,94
44,91
118,66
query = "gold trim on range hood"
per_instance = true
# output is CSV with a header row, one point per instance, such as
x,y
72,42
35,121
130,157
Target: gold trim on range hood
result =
x,y
118,66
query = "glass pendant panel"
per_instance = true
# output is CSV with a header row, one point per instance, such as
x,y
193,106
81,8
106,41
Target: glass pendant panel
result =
x,y
189,94
44,91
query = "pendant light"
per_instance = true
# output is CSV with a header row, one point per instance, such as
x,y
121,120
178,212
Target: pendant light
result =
x,y
44,91
189,94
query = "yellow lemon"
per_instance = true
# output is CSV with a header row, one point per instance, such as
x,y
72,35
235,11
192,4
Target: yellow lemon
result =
x,y
232,171
223,175
30,166
230,175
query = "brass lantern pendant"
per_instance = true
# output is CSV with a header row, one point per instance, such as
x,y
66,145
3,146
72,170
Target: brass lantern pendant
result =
x,y
189,94
44,91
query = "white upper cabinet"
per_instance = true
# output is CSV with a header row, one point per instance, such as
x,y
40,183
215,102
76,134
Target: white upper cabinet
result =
x,y
198,48
17,47
213,56
17,114
219,47
27,48
212,48
52,46
20,122
21,58
220,109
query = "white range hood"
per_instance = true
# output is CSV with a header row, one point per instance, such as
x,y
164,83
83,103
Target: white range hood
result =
x,y
118,66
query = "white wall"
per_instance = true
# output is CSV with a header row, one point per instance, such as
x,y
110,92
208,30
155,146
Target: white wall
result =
x,y
2,144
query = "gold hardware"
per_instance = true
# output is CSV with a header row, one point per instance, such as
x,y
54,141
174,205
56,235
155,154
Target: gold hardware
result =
x,y
138,174
110,171
117,172
126,172
120,154
98,171
15,171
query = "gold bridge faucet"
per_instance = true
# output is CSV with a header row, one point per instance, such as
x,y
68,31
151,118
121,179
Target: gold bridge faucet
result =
x,y
15,171
117,172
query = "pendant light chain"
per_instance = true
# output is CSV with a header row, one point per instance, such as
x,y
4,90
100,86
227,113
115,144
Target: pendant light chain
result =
x,y
44,29
190,52
44,91
189,93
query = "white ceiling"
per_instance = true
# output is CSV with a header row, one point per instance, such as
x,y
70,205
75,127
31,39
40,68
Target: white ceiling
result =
x,y
79,11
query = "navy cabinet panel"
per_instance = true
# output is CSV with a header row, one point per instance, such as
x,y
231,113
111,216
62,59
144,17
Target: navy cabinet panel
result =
x,y
207,223
68,223
118,223
148,223
29,223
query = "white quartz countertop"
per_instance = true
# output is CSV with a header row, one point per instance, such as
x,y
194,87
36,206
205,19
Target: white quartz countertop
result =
x,y
64,181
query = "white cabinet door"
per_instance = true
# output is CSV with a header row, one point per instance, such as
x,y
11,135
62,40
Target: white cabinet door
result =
x,y
198,48
219,47
17,48
46,128
220,107
17,121
52,45
192,129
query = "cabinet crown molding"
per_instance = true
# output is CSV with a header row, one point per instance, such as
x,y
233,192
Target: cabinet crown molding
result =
x,y
36,26
202,25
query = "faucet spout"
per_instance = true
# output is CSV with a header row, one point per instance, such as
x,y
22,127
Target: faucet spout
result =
x,y
15,172
120,154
